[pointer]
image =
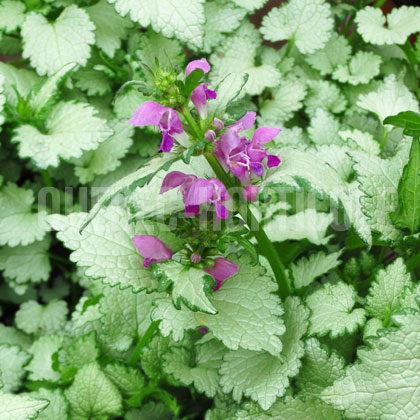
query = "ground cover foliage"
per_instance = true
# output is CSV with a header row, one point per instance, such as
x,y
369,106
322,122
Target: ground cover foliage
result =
x,y
198,221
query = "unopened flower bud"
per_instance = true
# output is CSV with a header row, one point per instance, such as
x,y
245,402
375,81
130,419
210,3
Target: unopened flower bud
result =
x,y
218,124
195,258
210,135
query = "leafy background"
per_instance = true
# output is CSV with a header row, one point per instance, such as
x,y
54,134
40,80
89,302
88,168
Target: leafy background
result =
x,y
343,214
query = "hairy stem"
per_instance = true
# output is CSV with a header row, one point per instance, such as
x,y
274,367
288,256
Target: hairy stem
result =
x,y
257,230
142,342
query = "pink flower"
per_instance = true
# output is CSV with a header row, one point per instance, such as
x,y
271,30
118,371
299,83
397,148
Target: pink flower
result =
x,y
196,191
201,64
242,156
199,98
151,248
250,192
167,121
221,270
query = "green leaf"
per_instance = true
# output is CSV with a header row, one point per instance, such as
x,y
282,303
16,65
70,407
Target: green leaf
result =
x,y
321,181
12,15
306,270
107,157
20,407
250,5
395,28
52,45
408,120
127,184
307,224
363,67
201,370
58,406
18,224
10,335
305,23
360,140
154,46
93,395
2,99
43,98
248,312
285,100
12,361
21,79
71,128
80,352
324,95
220,19
34,318
40,368
302,409
332,310
324,128
110,27
191,286
26,264
180,18
378,180
320,368
150,411
386,290
262,376
125,316
105,247
238,54
381,384
128,380
391,97
335,52
408,214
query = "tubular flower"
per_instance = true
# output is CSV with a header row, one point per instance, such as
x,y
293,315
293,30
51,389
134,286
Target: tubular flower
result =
x,y
250,193
196,191
167,121
241,156
199,98
151,248
201,64
221,270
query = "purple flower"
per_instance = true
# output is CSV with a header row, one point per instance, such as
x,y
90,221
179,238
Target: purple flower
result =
x,y
221,270
250,192
151,248
242,156
196,191
167,121
199,98
201,64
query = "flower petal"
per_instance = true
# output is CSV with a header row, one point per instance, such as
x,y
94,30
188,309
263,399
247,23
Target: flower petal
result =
x,y
264,134
201,64
172,180
170,121
191,211
250,193
221,211
221,270
151,248
246,122
257,168
148,113
273,160
200,192
167,143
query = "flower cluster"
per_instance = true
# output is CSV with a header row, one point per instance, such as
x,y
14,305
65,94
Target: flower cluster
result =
x,y
152,249
244,158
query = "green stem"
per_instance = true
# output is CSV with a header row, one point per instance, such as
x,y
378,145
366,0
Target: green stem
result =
x,y
142,342
412,61
383,140
47,179
379,3
289,47
381,255
413,262
257,230
192,123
